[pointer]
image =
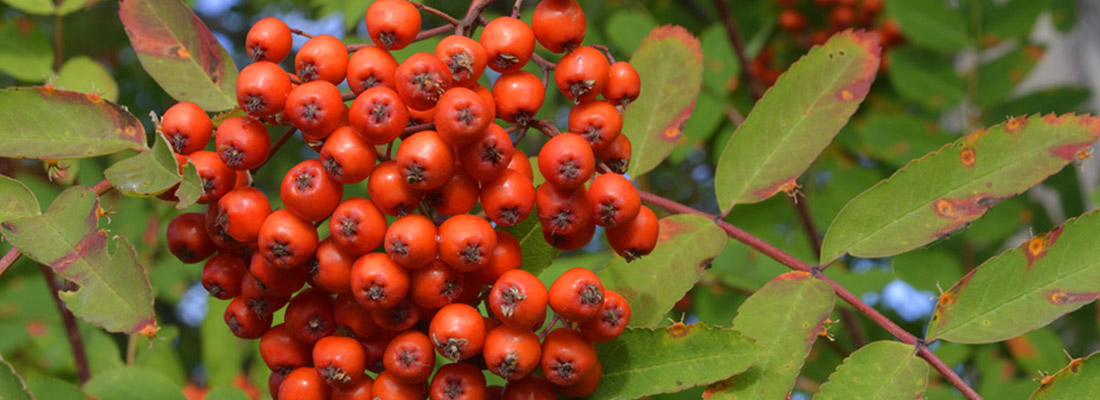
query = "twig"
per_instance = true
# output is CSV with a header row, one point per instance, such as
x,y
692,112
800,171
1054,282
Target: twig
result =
x,y
300,33
450,20
427,126
542,62
515,8
71,328
522,134
276,146
465,27
348,96
606,51
546,127
9,259
846,295
756,86
549,327
735,116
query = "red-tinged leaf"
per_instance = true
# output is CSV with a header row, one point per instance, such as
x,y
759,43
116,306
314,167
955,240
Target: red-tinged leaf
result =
x,y
794,121
946,190
1023,289
47,123
114,291
1076,381
670,65
785,317
180,53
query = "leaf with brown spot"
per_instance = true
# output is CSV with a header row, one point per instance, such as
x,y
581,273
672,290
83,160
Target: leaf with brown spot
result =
x,y
177,49
796,119
655,282
45,123
1076,381
1014,293
645,362
114,291
947,189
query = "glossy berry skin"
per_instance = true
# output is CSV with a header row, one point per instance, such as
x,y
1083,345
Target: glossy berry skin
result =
x,y
435,286
567,357
466,242
623,84
521,163
489,155
360,391
390,192
457,196
411,241
567,161
610,321
562,212
422,79
388,387
286,240
398,318
346,157
458,381
244,323
187,127
559,25
533,387
241,212
258,299
425,161
309,316
637,237
322,58
461,116
613,199
269,39
392,24
511,353
508,199
371,66
616,154
379,115
586,385
417,117
508,43
597,121
339,360
573,240
221,276
519,96
465,57
507,256
315,108
262,88
282,352
242,143
457,332
375,348
187,238
330,268
410,357
357,226
215,177
309,192
352,319
582,74
275,280
377,282
519,299
577,295
304,384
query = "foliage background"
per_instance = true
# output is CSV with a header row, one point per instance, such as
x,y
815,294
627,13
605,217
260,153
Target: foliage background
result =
x,y
956,73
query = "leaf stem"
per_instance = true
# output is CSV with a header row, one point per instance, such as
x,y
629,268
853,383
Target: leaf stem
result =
x,y
796,264
299,32
71,328
756,86
516,7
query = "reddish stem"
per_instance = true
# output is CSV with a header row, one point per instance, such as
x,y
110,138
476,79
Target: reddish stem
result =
x,y
843,293
73,331
466,26
276,146
450,20
300,33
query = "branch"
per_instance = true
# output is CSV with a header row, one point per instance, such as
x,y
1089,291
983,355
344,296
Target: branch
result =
x,y
71,329
465,27
843,293
276,146
450,20
756,86
300,33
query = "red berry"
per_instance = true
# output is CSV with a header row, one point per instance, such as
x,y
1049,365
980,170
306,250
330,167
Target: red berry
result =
x,y
519,299
457,331
377,282
222,275
269,39
582,74
262,88
357,226
339,360
559,25
422,79
309,192
458,381
371,66
187,127
567,357
304,384
323,57
243,143
309,316
286,240
610,321
411,241
392,24
347,157
635,238
282,352
466,242
508,43
567,161
409,357
187,238
512,353
577,295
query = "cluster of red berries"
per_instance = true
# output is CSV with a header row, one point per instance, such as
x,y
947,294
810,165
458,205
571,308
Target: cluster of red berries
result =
x,y
390,311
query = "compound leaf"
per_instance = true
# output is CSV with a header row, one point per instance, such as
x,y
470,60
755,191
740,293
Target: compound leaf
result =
x,y
881,370
47,123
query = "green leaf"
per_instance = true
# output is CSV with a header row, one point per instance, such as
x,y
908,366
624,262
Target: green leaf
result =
x,y
1023,289
785,316
40,7
226,393
1012,20
880,370
33,127
48,387
147,174
12,386
670,65
653,284
180,53
129,383
999,77
794,121
945,190
626,28
25,53
16,200
643,362
720,66
537,253
1076,381
114,292
222,353
82,74
190,188
925,77
929,23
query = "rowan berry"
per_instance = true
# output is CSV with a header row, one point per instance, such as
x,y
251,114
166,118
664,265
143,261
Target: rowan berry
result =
x,y
616,154
262,88
511,353
571,241
567,161
187,238
282,352
559,25
411,241
586,385
269,39
465,57
377,282
562,211
316,108
567,357
322,58
507,256
508,199
309,192
421,80
360,391
304,383
379,115
242,143
371,66
458,381
577,295
435,286
330,268
352,319
508,43
519,96
258,299
309,316
346,157
582,74
519,299
623,84
466,242
425,161
610,321
613,199
340,361
392,24
215,177
485,158
221,276
597,121
457,196
457,331
275,280
243,322
241,212
388,387
286,240
637,237
187,127
521,163
410,357
357,226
